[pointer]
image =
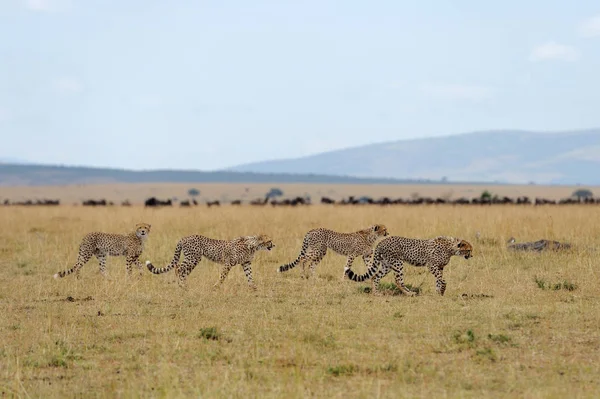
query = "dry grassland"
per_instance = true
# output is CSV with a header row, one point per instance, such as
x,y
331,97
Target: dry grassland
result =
x,y
510,325
226,192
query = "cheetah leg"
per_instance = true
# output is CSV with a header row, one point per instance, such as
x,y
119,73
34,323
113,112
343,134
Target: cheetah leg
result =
x,y
314,262
440,284
381,273
248,273
130,260
367,258
303,260
224,272
313,269
307,260
183,270
102,262
398,268
140,267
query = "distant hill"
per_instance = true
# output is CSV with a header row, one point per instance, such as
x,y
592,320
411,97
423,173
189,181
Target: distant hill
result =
x,y
508,156
46,175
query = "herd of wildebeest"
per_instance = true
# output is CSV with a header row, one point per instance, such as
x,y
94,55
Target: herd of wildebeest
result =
x,y
351,200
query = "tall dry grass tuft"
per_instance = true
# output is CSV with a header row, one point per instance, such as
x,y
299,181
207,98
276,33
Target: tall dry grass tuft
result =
x,y
510,324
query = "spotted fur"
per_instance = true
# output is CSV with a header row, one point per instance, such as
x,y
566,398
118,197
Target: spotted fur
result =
x,y
102,245
317,241
391,252
239,251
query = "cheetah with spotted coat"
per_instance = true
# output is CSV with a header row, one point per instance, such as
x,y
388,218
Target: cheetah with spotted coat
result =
x,y
317,241
101,245
239,251
391,252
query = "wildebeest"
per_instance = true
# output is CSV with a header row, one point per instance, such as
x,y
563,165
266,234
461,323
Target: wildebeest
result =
x,y
153,201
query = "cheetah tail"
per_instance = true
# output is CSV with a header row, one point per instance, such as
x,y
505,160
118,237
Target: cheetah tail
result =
x,y
63,273
291,265
361,277
173,263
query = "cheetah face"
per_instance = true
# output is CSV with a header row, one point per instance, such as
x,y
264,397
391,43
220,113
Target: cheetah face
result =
x,y
380,230
265,243
142,230
464,248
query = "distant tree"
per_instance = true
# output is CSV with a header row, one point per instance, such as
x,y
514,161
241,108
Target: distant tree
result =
x,y
193,192
364,199
486,195
582,193
274,192
444,179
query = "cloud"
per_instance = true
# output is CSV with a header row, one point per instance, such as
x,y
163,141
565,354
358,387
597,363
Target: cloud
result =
x,y
457,92
37,5
552,51
590,27
68,85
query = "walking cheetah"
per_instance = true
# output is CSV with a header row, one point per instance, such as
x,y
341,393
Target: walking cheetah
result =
x,y
108,244
391,252
239,251
317,241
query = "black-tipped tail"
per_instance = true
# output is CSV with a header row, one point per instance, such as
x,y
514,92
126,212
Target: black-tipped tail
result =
x,y
64,273
360,277
291,265
174,262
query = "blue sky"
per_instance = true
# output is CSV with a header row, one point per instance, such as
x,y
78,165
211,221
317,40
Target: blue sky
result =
x,y
210,84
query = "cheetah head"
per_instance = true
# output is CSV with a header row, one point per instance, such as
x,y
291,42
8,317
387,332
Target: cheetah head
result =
x,y
259,242
379,230
265,242
142,230
464,248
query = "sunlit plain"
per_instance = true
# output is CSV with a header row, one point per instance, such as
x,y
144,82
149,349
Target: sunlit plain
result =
x,y
509,325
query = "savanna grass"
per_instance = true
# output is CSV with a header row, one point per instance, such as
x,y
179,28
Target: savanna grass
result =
x,y
503,328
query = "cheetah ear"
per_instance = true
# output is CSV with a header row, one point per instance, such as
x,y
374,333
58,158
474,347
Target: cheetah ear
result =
x,y
462,244
377,227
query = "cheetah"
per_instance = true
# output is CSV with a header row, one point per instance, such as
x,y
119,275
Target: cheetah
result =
x,y
239,251
391,252
317,241
109,244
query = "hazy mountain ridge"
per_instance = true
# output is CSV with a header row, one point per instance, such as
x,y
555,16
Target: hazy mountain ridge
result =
x,y
479,157
511,156
48,175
